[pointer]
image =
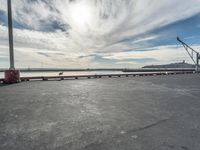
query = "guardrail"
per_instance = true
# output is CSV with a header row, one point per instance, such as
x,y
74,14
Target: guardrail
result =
x,y
46,78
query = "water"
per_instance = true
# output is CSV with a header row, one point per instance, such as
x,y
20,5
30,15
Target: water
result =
x,y
68,73
71,73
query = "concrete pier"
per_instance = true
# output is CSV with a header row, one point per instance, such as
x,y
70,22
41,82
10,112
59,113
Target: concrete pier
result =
x,y
140,113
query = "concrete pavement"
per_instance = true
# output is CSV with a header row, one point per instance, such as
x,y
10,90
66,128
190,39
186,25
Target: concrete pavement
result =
x,y
141,113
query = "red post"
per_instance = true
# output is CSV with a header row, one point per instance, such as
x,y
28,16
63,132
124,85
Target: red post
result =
x,y
12,76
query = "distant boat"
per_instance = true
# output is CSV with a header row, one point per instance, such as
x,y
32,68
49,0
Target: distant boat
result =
x,y
172,65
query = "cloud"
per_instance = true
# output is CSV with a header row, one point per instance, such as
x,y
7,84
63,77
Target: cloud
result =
x,y
65,32
159,55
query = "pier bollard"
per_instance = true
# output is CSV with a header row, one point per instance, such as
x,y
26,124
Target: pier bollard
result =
x,y
45,79
12,76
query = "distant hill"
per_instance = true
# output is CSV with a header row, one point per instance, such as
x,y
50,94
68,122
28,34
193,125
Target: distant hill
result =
x,y
172,65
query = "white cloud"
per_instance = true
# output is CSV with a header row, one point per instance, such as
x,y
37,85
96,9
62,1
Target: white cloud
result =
x,y
161,54
91,27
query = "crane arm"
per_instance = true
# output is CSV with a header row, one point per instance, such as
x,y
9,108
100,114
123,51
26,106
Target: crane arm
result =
x,y
183,43
191,53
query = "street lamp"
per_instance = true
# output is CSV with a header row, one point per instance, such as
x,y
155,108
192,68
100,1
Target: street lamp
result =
x,y
10,33
11,75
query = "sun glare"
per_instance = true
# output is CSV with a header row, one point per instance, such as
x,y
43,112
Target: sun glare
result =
x,y
80,14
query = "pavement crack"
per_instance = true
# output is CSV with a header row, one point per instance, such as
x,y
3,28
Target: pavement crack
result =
x,y
98,143
150,125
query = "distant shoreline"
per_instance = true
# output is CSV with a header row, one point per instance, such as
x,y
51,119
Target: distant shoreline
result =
x,y
93,70
182,66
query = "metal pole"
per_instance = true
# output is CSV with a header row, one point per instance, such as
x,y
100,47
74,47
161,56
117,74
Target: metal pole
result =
x,y
197,62
10,32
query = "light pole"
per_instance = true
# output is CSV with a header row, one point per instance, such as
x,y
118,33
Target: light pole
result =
x,y
10,33
11,75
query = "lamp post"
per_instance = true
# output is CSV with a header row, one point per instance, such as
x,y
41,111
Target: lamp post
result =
x,y
10,33
11,75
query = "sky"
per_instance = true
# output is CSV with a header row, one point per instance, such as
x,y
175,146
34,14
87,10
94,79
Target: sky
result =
x,y
99,33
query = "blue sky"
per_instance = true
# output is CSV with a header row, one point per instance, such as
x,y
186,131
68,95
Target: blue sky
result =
x,y
99,33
